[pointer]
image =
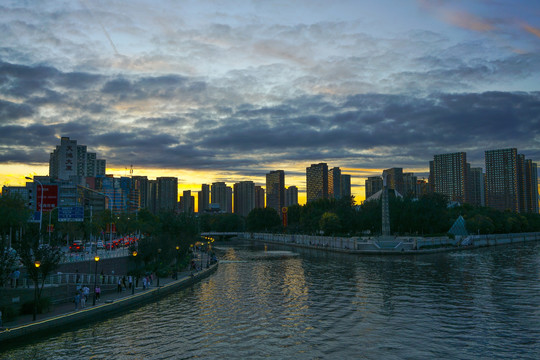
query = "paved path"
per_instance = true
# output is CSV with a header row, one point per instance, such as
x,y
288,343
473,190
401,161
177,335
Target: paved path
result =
x,y
66,308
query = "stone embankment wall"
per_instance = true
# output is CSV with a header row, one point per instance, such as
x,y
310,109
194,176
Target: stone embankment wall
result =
x,y
389,245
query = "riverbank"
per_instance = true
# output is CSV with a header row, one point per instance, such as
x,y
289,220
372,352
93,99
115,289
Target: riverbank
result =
x,y
391,245
64,316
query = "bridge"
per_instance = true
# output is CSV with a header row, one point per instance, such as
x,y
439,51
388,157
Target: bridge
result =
x,y
215,233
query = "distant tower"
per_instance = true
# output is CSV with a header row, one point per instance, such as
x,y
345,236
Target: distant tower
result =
x,y
385,209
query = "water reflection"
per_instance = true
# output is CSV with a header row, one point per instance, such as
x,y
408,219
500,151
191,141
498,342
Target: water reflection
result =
x,y
301,303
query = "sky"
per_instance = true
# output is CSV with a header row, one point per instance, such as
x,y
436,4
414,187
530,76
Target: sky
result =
x,y
230,90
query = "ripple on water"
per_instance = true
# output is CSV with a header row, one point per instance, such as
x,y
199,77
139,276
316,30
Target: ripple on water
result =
x,y
467,305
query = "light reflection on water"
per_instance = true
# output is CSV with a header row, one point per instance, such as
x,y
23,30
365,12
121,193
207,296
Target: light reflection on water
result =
x,y
469,305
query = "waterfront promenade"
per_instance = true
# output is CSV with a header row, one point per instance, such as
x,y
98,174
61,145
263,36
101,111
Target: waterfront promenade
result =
x,y
64,315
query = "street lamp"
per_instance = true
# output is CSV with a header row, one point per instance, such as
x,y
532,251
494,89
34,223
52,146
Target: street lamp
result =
x,y
157,272
96,259
37,264
202,244
41,207
133,283
176,267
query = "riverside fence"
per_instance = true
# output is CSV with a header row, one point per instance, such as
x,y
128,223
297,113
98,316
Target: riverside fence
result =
x,y
392,244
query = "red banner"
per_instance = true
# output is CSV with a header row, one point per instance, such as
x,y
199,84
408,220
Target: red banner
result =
x,y
109,226
50,197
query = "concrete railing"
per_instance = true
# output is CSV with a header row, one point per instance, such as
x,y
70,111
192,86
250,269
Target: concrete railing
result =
x,y
72,279
103,254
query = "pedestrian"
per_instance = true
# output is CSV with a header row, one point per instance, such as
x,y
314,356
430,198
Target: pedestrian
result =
x,y
119,289
124,282
102,278
82,300
17,274
77,300
78,276
0,319
97,291
130,281
86,292
144,283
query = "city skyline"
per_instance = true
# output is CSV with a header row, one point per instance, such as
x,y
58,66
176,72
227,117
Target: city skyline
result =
x,y
229,91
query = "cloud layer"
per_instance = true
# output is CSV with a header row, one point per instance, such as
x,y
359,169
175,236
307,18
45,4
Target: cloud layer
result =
x,y
200,87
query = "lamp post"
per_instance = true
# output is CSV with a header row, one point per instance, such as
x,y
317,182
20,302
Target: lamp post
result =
x,y
200,250
96,259
176,267
37,264
157,271
133,283
41,206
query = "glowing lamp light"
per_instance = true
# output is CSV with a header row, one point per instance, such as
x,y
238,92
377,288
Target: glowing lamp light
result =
x,y
37,264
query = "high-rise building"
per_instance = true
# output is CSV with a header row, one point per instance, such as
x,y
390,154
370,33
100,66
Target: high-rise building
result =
x,y
291,196
187,202
374,184
502,188
476,187
409,185
334,183
141,182
345,186
394,179
317,182
229,206
450,176
259,197
531,186
69,160
244,197
422,187
511,181
221,195
152,199
167,193
275,190
204,198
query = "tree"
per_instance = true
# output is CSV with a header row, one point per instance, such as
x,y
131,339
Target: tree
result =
x,y
48,258
330,223
13,215
8,262
262,219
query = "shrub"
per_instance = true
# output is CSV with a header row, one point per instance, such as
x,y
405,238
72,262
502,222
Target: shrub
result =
x,y
8,313
43,306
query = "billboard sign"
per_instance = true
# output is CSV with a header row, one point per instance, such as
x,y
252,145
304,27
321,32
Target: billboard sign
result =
x,y
50,197
71,213
35,217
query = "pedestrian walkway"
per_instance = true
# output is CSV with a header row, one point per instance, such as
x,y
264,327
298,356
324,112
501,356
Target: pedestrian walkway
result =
x,y
110,297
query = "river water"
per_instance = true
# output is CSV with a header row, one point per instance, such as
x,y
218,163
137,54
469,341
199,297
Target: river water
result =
x,y
286,303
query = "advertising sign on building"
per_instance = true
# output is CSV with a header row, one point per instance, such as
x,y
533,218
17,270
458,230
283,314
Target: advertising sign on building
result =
x,y
50,197
71,213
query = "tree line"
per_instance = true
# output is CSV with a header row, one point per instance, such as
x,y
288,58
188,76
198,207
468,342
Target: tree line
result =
x,y
429,215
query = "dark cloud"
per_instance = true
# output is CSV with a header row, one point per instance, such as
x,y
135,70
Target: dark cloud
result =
x,y
12,111
172,121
